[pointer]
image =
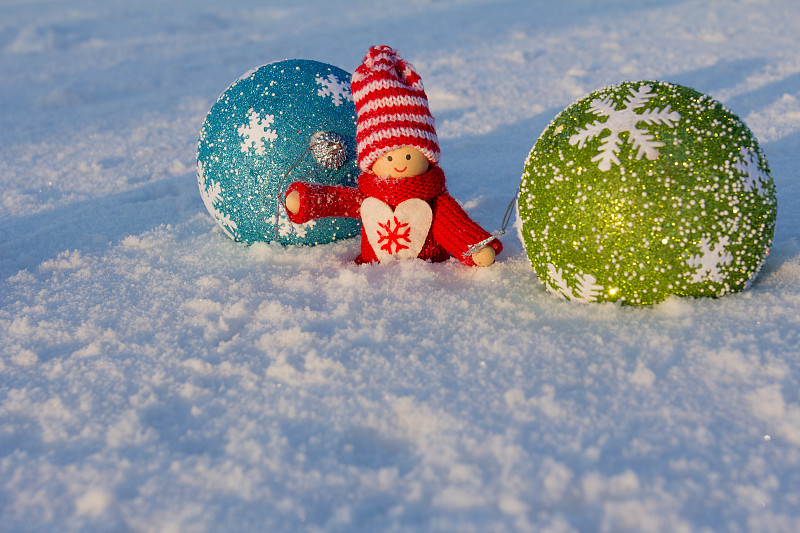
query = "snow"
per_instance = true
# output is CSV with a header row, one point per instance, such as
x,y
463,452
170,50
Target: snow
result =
x,y
157,376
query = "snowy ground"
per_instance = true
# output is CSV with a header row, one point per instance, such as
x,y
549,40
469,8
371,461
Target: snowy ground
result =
x,y
156,376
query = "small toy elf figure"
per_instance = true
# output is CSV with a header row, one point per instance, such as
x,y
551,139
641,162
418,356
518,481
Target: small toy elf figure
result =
x,y
404,206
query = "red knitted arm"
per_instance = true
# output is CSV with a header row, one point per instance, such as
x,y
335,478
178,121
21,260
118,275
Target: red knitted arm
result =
x,y
318,201
456,232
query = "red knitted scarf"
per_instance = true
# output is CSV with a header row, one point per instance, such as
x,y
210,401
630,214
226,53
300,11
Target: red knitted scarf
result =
x,y
396,190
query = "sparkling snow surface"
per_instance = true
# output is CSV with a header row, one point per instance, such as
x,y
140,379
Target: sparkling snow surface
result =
x,y
156,376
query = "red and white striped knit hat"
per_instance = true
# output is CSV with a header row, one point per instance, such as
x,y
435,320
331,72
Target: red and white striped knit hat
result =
x,y
392,108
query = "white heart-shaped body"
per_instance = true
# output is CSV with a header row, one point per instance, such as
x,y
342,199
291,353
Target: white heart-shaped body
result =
x,y
398,233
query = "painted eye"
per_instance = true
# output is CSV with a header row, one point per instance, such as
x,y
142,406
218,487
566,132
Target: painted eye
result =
x,y
408,157
388,158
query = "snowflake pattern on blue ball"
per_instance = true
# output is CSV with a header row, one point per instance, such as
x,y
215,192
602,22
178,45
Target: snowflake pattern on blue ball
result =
x,y
256,140
643,190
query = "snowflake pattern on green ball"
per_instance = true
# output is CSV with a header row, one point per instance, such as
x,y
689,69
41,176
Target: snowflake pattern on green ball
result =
x,y
643,190
624,120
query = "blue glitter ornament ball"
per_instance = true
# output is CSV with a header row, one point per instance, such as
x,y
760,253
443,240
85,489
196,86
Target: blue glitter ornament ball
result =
x,y
292,120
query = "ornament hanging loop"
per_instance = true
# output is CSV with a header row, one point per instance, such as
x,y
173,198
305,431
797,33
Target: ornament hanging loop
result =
x,y
475,248
328,149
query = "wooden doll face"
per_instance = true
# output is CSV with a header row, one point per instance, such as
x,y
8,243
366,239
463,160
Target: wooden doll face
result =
x,y
403,162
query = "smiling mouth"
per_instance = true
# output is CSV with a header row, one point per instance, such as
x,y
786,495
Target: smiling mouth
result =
x,y
400,170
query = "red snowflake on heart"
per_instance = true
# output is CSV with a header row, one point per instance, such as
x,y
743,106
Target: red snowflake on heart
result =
x,y
394,234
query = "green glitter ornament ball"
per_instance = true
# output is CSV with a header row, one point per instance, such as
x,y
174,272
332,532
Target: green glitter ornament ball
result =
x,y
643,190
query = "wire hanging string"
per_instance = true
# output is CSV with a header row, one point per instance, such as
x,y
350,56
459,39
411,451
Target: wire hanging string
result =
x,y
329,150
279,197
495,234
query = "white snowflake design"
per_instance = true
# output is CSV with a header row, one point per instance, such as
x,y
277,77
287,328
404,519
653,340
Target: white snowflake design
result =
x,y
256,133
754,177
625,120
212,195
587,289
556,283
709,261
286,227
339,91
